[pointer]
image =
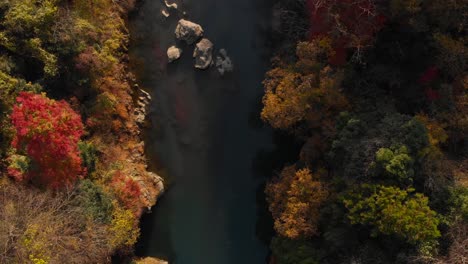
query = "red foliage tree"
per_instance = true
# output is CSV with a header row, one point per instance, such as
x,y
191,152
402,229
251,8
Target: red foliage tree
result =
x,y
47,132
128,191
350,23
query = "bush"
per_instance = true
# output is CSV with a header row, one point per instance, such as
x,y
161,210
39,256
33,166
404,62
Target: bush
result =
x,y
94,201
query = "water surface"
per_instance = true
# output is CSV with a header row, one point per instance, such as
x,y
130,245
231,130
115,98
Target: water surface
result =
x,y
205,135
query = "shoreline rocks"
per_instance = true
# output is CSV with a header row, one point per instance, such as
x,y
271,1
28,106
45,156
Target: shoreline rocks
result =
x,y
203,54
188,31
223,62
173,53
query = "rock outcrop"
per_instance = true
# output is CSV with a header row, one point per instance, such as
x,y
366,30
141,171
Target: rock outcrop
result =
x,y
188,31
223,62
173,53
203,54
141,108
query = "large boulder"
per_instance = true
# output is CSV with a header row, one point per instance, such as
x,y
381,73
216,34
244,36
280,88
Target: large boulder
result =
x,y
203,54
188,31
173,53
223,62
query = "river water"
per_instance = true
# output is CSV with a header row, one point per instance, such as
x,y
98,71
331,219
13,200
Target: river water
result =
x,y
205,137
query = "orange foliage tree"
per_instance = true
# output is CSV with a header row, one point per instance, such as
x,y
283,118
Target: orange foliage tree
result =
x,y
294,200
306,91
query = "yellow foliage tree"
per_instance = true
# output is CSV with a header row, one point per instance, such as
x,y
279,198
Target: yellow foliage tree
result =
x,y
294,200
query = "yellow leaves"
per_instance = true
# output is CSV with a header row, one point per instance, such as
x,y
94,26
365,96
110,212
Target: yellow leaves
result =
x,y
36,246
124,228
436,131
295,199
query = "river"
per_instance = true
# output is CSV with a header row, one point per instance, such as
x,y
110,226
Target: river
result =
x,y
205,138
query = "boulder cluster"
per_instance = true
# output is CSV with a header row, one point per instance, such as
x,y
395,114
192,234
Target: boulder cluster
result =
x,y
191,33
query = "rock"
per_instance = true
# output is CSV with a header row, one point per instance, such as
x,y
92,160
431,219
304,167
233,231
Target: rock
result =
x,y
141,107
203,54
223,62
173,53
158,182
173,5
188,31
165,13
150,260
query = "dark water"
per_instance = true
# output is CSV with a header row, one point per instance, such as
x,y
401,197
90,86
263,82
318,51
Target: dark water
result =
x,y
206,138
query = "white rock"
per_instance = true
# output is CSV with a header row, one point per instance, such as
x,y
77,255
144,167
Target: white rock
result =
x,y
203,54
173,53
188,31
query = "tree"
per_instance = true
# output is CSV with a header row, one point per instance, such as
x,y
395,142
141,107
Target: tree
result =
x,y
47,132
306,91
393,211
294,200
350,24
396,163
127,190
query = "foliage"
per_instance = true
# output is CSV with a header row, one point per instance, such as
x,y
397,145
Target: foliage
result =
x,y
396,163
390,210
95,202
288,251
124,228
39,227
47,132
88,153
127,190
295,199
307,91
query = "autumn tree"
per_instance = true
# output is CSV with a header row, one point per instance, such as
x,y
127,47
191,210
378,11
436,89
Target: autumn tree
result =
x,y
294,200
351,24
393,211
47,135
304,92
127,191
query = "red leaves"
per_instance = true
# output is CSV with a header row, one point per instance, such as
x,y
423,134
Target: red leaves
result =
x,y
429,75
48,132
350,23
127,190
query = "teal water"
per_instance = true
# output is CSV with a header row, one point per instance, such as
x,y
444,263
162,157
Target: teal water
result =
x,y
206,137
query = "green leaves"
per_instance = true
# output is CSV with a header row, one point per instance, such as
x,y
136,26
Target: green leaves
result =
x,y
393,211
396,163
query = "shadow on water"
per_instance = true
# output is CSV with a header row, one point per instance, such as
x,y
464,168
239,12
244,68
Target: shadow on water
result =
x,y
206,139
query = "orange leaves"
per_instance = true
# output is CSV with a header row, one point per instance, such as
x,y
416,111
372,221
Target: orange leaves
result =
x,y
295,199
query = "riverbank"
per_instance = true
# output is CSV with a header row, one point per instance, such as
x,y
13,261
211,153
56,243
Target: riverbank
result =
x,y
73,58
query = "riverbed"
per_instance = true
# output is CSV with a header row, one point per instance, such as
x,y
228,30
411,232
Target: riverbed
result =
x,y
205,137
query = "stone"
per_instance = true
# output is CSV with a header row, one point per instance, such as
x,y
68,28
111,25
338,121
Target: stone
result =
x,y
150,260
203,54
158,183
173,53
223,62
188,31
165,13
173,5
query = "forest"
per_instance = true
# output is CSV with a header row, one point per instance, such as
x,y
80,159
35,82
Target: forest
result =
x,y
376,94
373,91
72,178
